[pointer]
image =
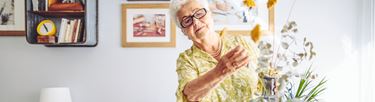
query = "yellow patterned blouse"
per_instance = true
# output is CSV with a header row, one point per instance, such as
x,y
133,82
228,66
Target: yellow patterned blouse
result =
x,y
239,87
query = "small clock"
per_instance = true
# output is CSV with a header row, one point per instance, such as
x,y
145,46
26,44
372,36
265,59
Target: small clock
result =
x,y
46,27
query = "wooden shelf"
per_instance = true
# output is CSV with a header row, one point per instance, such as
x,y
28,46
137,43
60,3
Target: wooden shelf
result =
x,y
88,19
59,13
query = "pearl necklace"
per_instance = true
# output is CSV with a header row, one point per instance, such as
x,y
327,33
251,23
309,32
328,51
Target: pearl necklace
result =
x,y
218,51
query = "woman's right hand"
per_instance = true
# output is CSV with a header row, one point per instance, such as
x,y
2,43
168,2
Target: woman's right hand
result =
x,y
233,60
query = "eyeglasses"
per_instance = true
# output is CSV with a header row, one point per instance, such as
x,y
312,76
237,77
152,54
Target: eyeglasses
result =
x,y
188,20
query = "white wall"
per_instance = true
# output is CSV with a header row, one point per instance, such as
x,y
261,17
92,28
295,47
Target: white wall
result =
x,y
109,73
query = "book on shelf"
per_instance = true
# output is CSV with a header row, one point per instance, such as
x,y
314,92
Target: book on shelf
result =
x,y
46,5
70,31
58,5
69,1
35,5
40,5
66,7
46,39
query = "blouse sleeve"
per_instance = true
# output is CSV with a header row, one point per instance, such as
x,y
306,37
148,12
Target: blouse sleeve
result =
x,y
186,72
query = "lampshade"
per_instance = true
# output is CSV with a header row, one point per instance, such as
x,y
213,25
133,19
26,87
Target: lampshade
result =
x,y
56,94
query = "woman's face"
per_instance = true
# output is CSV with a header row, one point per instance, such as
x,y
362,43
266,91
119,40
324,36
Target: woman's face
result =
x,y
201,24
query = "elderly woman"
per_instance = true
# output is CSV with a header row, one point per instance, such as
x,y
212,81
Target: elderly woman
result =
x,y
215,68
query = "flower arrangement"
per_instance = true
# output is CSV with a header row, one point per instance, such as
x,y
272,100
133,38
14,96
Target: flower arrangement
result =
x,y
279,63
281,60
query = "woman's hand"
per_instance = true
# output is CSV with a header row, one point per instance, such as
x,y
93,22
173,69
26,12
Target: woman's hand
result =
x,y
233,60
196,89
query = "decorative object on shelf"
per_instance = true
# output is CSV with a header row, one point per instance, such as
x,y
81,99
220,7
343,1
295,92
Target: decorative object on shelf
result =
x,y
12,17
46,32
55,94
147,25
46,27
73,23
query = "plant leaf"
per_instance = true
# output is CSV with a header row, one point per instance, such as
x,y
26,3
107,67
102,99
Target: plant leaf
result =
x,y
295,30
295,64
290,27
268,45
301,83
307,44
317,89
285,45
301,55
293,23
283,31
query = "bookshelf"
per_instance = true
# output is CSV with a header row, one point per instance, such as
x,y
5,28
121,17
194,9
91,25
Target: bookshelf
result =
x,y
78,29
59,13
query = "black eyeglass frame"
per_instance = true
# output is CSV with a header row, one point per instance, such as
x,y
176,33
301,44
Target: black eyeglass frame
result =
x,y
191,17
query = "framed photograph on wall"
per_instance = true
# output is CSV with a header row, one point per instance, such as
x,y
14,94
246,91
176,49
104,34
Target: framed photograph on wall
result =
x,y
147,25
12,17
144,1
239,19
147,0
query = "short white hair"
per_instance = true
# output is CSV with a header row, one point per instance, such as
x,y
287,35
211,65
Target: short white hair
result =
x,y
175,6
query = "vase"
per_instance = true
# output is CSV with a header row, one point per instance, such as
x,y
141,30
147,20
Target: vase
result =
x,y
269,93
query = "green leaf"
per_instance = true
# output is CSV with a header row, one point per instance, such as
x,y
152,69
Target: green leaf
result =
x,y
316,90
316,94
295,30
283,31
294,59
293,24
301,55
268,45
301,83
295,64
285,45
304,87
307,44
305,84
290,28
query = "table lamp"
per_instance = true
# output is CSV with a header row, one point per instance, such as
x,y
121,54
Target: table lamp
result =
x,y
55,94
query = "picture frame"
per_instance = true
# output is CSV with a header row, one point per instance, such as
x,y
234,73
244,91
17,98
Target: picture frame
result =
x,y
12,18
239,19
147,25
144,1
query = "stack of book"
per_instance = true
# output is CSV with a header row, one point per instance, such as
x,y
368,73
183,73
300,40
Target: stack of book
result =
x,y
58,5
46,39
70,31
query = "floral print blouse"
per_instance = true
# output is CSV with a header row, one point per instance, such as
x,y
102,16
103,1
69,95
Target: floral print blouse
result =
x,y
239,87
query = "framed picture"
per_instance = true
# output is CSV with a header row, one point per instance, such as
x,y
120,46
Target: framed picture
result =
x,y
147,25
238,18
144,1
147,0
12,17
